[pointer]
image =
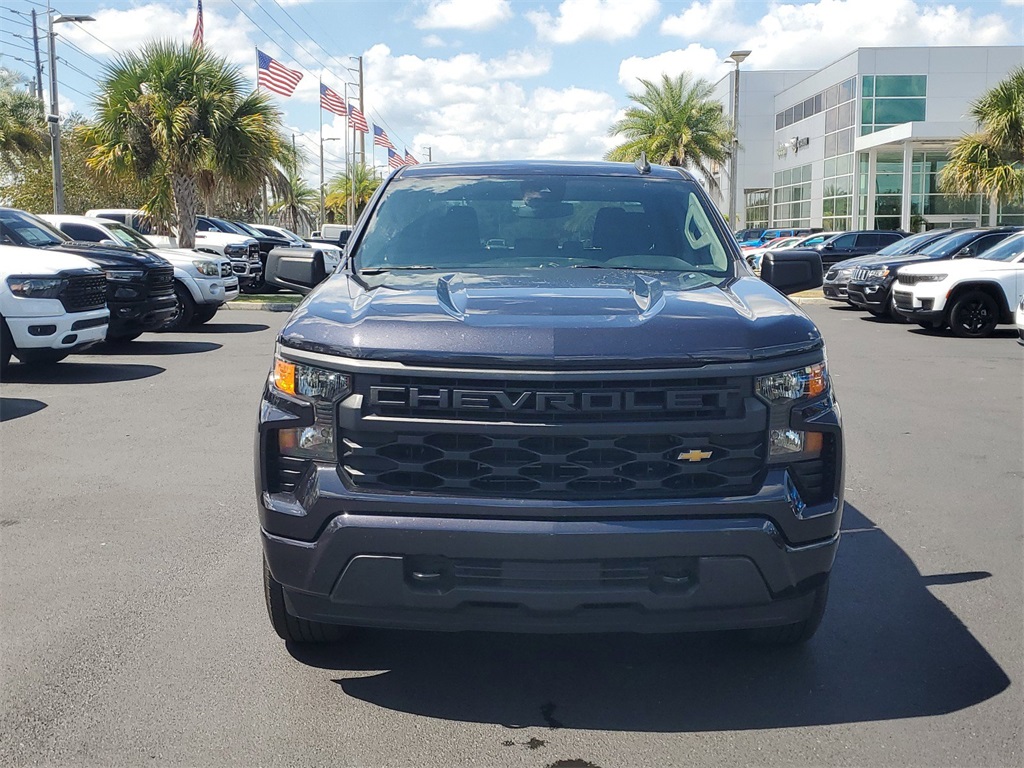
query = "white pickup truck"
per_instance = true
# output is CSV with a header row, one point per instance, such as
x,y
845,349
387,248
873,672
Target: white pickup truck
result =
x,y
203,282
51,304
971,296
244,252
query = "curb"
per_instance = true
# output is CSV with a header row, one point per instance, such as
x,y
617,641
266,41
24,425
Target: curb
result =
x,y
266,306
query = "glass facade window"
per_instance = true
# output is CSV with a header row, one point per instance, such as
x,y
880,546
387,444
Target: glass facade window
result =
x,y
791,206
888,190
758,203
817,103
840,124
889,100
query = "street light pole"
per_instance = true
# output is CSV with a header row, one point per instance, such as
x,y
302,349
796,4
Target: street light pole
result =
x,y
429,154
736,57
54,117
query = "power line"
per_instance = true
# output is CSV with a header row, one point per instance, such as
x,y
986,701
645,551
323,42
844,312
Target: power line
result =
x,y
83,52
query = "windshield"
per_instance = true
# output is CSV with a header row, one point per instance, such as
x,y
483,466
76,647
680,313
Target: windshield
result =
x,y
909,244
18,228
247,230
128,236
949,245
1008,250
284,234
226,226
512,222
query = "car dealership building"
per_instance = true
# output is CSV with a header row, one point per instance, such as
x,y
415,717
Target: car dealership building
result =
x,y
859,144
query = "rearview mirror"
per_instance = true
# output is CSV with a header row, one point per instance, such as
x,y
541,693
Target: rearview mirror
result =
x,y
791,271
297,269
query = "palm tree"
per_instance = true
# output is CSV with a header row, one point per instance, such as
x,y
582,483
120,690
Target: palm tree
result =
x,y
175,115
21,121
357,182
991,161
296,199
676,122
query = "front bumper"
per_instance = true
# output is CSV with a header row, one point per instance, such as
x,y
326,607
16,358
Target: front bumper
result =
x,y
834,291
71,330
148,315
217,290
549,576
868,295
918,307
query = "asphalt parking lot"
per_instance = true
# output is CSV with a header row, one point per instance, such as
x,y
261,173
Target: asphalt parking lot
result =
x,y
133,628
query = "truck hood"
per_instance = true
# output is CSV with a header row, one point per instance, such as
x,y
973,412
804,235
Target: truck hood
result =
x,y
898,261
857,261
184,257
958,267
572,316
223,238
112,256
38,261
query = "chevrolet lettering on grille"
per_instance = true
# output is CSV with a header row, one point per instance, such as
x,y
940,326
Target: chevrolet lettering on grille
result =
x,y
534,401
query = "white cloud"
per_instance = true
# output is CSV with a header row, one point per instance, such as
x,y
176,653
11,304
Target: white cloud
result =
x,y
694,59
467,107
464,14
597,19
433,41
714,19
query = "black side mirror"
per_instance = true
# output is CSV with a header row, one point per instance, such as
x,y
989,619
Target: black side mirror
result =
x,y
297,269
829,246
791,271
966,252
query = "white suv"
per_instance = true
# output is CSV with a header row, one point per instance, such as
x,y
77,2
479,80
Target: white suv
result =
x,y
51,304
202,281
971,296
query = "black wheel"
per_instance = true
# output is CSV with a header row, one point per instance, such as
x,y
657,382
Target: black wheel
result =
x,y
292,628
255,285
204,313
793,634
40,356
123,338
974,315
6,345
186,309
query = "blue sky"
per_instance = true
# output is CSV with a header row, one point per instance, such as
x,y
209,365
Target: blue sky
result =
x,y
500,78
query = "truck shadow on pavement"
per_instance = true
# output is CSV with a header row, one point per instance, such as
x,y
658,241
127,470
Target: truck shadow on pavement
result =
x,y
211,328
79,373
153,347
12,408
888,649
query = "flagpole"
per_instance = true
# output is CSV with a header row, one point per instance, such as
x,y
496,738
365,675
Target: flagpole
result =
x,y
349,206
323,213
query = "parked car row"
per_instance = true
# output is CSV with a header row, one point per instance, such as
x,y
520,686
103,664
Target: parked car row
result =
x,y
969,280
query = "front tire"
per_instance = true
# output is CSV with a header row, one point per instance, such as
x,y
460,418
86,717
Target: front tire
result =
x,y
974,315
204,314
123,338
291,628
41,357
186,309
793,634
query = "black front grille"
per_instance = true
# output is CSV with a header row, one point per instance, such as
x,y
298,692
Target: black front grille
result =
x,y
902,299
554,467
540,401
84,292
225,269
909,279
239,267
161,281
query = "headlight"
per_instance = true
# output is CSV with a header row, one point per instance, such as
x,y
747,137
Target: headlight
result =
x,y
323,389
878,272
36,287
930,278
209,268
123,275
793,385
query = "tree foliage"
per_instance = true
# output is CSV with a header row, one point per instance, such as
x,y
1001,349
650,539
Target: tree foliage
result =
x,y
183,121
676,122
991,160
22,130
357,182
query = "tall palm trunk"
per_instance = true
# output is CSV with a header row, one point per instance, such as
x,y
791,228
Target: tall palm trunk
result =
x,y
186,206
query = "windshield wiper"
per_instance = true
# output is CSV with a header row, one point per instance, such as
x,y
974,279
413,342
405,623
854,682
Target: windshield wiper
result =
x,y
381,270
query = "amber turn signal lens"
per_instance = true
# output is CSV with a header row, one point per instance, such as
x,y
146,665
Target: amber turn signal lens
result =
x,y
813,443
816,381
284,376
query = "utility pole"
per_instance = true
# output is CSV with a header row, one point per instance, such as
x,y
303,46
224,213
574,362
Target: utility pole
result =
x,y
39,61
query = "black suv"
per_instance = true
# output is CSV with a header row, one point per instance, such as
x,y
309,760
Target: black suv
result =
x,y
860,243
871,282
140,285
838,276
607,424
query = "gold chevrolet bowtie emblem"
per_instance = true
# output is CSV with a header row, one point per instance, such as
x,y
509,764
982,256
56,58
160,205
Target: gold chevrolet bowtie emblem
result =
x,y
694,455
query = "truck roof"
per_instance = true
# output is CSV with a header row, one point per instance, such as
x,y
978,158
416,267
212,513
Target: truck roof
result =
x,y
541,168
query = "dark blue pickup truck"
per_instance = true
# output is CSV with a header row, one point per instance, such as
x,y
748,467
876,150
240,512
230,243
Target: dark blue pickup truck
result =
x,y
547,397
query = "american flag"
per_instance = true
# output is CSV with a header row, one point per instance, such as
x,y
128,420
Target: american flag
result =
x,y
197,33
332,102
409,159
356,119
275,77
394,159
380,138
